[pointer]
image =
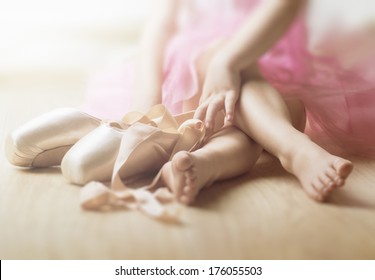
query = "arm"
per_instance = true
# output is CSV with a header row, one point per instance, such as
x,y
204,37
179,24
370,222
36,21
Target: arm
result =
x,y
258,34
157,32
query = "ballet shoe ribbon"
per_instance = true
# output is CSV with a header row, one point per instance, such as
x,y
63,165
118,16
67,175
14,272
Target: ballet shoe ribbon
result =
x,y
148,143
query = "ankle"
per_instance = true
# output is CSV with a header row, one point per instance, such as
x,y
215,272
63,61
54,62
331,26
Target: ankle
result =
x,y
209,162
293,156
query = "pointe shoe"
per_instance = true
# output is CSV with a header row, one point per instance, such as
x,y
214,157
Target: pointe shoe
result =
x,y
44,140
93,157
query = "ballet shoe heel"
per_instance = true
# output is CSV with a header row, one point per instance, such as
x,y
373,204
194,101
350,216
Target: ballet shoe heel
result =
x,y
47,158
14,155
44,140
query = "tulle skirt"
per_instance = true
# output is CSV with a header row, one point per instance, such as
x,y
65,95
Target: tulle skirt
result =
x,y
339,99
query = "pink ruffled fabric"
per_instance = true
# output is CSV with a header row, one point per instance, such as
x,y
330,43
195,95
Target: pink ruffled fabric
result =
x,y
202,30
340,99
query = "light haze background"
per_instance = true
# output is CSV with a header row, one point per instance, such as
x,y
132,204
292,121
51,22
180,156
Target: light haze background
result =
x,y
48,41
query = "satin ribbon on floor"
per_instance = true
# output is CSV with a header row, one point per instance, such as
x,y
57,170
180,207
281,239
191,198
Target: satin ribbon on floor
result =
x,y
152,140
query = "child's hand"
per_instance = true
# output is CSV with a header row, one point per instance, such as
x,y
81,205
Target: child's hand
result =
x,y
220,91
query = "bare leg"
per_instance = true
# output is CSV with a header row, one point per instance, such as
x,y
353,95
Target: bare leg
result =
x,y
273,123
227,154
276,124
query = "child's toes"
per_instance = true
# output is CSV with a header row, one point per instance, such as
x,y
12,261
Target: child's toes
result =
x,y
320,184
188,190
334,176
331,173
340,182
328,184
182,161
343,167
313,192
190,173
186,199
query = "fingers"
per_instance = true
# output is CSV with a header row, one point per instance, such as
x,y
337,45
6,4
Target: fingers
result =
x,y
200,112
230,103
208,110
213,108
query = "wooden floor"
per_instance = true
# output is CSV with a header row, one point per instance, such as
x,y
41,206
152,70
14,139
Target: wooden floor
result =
x,y
263,215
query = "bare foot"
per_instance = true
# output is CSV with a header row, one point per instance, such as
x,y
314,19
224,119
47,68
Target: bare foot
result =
x,y
185,175
320,173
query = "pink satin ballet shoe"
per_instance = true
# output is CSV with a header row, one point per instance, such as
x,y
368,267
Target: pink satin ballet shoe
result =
x,y
93,157
44,140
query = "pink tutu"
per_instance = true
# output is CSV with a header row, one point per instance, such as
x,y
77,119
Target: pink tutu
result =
x,y
340,99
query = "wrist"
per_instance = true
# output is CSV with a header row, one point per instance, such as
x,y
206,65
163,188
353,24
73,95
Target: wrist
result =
x,y
226,59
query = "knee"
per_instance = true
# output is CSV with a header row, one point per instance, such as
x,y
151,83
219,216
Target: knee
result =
x,y
250,89
249,100
243,140
297,113
255,93
247,92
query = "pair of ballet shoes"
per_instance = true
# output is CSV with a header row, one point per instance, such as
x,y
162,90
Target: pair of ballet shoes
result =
x,y
87,147
92,151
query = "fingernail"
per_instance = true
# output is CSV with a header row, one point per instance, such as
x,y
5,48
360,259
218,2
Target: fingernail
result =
x,y
208,125
229,117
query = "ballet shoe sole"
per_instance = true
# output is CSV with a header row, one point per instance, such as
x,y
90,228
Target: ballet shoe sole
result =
x,y
51,157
